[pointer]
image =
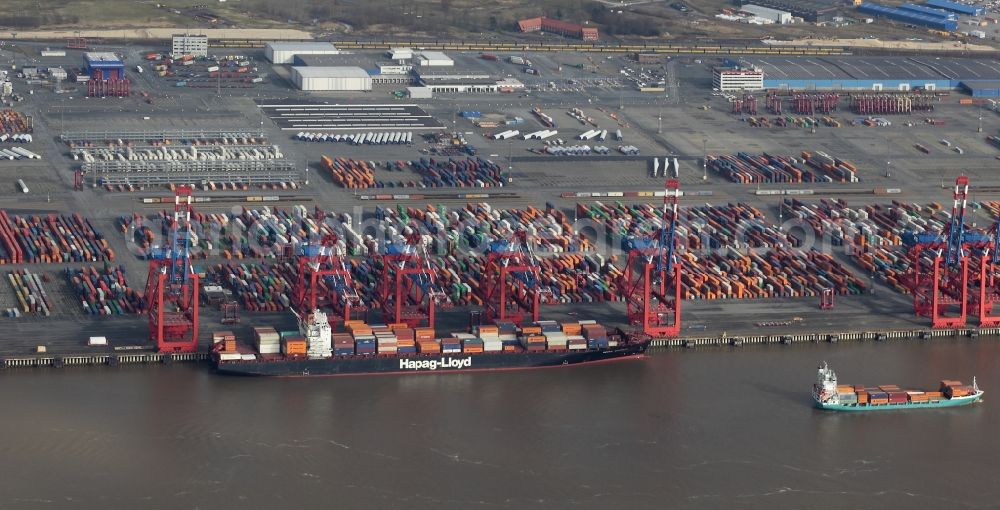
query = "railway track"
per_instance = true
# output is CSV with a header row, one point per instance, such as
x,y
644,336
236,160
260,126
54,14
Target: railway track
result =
x,y
681,49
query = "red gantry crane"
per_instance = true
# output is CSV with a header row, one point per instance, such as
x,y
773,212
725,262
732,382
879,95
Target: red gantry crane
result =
x,y
407,291
172,285
509,284
651,282
984,276
939,266
325,282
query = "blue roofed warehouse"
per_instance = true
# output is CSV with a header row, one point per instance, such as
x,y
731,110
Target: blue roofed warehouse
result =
x,y
104,66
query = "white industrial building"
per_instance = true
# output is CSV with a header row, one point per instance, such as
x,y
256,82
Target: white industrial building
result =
x,y
399,53
285,52
766,13
344,78
727,79
194,45
420,92
434,58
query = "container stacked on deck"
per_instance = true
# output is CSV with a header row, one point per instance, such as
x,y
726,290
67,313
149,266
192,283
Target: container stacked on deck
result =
x,y
266,340
50,239
490,335
30,293
425,341
749,168
104,292
224,341
406,340
293,344
952,389
731,251
874,232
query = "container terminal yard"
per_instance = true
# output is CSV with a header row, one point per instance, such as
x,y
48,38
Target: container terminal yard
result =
x,y
148,210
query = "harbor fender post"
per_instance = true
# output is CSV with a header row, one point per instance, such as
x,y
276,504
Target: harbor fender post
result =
x,y
833,339
785,340
167,358
736,342
58,362
879,337
113,360
973,333
924,335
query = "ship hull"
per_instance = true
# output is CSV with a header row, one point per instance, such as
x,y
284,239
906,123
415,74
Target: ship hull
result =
x,y
937,404
423,364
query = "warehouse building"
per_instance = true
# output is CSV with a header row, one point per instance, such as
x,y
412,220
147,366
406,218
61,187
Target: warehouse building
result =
x,y
773,15
103,66
560,27
194,45
285,52
968,10
982,88
909,17
874,73
809,10
464,81
399,54
434,58
341,79
731,79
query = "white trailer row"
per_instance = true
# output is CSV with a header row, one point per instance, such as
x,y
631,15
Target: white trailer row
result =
x,y
191,153
17,153
16,137
369,138
628,150
576,150
504,135
540,135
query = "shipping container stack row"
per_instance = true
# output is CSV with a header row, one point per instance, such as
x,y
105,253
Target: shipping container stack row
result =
x,y
476,225
104,292
15,123
258,288
732,252
31,295
50,239
882,104
748,168
874,232
232,71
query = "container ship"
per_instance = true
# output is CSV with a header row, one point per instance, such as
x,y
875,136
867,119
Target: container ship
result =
x,y
314,350
828,394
